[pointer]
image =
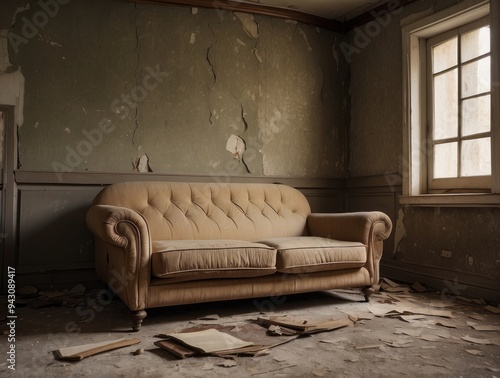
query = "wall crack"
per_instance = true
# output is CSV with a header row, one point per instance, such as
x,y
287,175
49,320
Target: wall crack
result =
x,y
212,70
136,71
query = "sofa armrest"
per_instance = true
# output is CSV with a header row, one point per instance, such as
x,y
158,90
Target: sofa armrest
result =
x,y
370,228
104,222
123,251
360,226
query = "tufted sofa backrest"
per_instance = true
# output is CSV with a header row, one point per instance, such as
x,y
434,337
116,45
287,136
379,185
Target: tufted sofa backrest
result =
x,y
177,210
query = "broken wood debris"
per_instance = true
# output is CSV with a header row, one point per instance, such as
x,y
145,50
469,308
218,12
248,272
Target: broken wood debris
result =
x,y
245,340
37,299
305,326
79,352
251,333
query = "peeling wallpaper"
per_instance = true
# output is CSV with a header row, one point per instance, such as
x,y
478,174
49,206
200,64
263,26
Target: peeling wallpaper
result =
x,y
111,85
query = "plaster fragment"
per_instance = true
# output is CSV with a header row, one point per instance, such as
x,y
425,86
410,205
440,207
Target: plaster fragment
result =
x,y
249,24
142,164
288,21
193,38
236,146
56,44
240,42
194,10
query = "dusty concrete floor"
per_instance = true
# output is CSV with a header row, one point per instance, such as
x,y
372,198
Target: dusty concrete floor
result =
x,y
374,346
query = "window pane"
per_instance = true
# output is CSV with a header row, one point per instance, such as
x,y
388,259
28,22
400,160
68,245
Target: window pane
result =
x,y
476,157
476,115
475,43
476,77
445,160
444,55
446,105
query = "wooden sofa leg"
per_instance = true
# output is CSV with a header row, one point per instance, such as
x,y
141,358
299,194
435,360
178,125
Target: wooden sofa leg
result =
x,y
368,291
137,317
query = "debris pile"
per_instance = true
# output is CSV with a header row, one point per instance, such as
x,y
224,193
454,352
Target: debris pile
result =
x,y
419,320
31,296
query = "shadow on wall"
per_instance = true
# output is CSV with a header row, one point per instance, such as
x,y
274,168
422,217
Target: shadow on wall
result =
x,y
53,234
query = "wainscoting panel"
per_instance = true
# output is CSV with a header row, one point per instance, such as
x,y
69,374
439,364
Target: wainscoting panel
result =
x,y
450,283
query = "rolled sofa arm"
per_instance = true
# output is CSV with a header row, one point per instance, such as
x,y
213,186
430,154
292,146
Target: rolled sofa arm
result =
x,y
123,251
355,226
103,221
369,228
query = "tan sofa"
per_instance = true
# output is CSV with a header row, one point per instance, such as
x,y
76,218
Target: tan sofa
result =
x,y
168,243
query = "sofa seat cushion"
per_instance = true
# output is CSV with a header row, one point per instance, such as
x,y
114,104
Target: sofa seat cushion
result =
x,y
307,254
186,260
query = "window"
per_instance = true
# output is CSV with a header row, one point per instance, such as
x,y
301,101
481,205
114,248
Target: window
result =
x,y
458,116
451,107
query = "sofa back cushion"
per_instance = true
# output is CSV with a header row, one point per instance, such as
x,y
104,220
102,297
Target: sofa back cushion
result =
x,y
180,211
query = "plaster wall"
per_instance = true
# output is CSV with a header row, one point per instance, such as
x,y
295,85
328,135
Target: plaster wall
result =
x,y
118,87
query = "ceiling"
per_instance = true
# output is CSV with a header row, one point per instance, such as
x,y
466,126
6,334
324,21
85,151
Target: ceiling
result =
x,y
339,10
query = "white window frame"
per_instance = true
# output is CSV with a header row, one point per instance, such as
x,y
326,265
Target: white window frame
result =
x,y
415,35
457,184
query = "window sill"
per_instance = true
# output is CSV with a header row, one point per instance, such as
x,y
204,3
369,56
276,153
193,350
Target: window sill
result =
x,y
452,200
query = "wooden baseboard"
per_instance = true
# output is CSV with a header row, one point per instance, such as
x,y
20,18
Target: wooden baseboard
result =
x,y
449,283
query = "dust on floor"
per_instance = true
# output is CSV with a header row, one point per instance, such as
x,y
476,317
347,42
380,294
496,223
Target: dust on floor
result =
x,y
400,332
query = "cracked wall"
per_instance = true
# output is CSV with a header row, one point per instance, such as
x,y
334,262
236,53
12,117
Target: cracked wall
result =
x,y
107,83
